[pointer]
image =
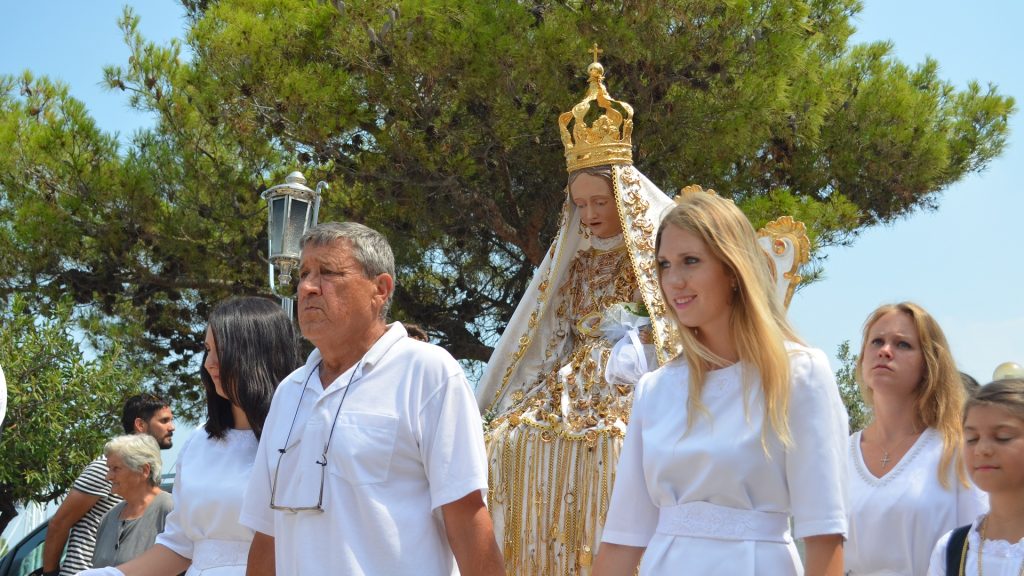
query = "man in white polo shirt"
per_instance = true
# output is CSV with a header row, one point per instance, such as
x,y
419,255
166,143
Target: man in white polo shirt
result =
x,y
372,457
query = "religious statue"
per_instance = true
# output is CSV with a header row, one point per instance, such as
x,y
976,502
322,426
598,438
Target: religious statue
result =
x,y
557,391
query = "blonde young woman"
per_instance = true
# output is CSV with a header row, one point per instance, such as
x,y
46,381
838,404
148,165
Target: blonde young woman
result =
x,y
738,434
907,482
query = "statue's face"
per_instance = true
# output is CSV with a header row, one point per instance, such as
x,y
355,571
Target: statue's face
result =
x,y
593,198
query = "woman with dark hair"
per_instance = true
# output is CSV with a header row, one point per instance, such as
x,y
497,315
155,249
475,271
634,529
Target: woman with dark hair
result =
x,y
250,347
239,350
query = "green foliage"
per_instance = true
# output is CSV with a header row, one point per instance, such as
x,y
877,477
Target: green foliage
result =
x,y
437,119
143,238
858,412
62,404
435,122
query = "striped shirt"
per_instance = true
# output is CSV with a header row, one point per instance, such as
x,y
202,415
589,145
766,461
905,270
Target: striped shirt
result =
x,y
82,541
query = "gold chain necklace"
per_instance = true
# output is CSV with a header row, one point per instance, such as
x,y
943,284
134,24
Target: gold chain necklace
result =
x,y
981,548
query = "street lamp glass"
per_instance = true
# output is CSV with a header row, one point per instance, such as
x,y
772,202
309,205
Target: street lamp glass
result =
x,y
277,212
293,209
298,223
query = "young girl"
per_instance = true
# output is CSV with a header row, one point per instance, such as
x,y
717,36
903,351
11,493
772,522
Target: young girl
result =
x,y
739,433
994,454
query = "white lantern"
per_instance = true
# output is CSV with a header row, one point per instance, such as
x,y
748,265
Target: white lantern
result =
x,y
293,208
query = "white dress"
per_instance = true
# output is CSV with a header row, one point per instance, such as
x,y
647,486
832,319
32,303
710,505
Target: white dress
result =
x,y
208,489
895,520
1000,558
713,501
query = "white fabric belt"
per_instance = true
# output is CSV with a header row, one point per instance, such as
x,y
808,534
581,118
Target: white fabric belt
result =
x,y
214,553
707,520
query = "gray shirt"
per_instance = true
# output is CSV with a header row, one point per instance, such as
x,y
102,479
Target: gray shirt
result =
x,y
118,541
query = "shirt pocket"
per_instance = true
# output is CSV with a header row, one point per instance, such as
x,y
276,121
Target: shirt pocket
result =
x,y
362,447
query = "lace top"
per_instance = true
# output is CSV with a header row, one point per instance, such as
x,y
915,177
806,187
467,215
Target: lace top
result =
x,y
895,519
1000,558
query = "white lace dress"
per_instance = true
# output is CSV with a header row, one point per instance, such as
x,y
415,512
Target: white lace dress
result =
x,y
1000,558
208,489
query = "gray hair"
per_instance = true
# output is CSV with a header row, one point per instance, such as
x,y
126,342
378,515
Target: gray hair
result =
x,y
369,247
137,450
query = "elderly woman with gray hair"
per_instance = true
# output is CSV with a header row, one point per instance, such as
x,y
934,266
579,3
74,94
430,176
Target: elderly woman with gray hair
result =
x,y
131,526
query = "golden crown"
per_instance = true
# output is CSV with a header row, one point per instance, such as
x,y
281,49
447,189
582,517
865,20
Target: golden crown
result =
x,y
606,140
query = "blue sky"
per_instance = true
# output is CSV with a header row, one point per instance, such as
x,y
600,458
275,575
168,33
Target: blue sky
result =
x,y
962,262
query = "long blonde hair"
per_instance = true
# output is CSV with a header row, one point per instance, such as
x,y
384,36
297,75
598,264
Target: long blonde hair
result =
x,y
940,395
757,322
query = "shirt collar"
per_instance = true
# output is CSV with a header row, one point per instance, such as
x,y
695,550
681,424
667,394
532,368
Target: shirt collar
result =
x,y
395,332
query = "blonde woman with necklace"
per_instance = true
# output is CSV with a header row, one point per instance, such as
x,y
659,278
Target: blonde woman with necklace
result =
x,y
907,484
994,452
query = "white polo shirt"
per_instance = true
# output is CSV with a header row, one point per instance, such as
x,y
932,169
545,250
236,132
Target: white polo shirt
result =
x,y
408,439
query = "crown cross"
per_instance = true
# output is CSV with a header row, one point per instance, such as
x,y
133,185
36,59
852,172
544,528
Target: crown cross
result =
x,y
595,51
